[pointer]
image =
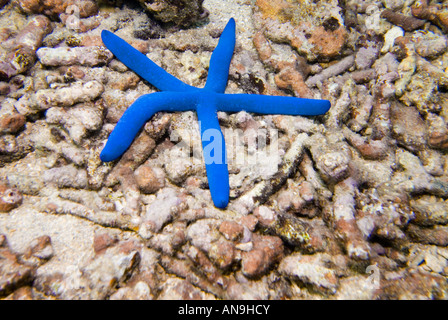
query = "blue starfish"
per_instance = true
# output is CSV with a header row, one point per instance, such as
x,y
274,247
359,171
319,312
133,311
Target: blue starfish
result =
x,y
178,96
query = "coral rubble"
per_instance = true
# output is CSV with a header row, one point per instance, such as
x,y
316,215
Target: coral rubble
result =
x,y
349,205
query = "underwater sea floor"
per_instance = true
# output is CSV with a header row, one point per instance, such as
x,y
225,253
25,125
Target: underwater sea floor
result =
x,y
347,205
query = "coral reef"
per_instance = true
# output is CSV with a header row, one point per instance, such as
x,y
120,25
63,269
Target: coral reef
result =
x,y
182,13
54,8
18,54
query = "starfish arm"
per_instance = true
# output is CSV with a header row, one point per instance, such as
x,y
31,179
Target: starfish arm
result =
x,y
272,104
142,65
218,72
137,114
214,151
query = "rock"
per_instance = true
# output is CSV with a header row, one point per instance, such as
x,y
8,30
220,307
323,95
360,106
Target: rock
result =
x,y
315,31
67,177
83,8
406,22
428,258
10,120
420,92
123,81
344,220
162,209
250,222
157,126
364,76
103,241
61,97
39,252
13,148
181,289
433,13
5,88
394,4
20,54
296,197
99,275
23,293
207,279
291,79
368,148
146,28
332,160
430,211
366,56
140,291
111,268
265,216
334,70
413,285
223,254
203,233
231,230
172,237
390,37
139,151
356,288
79,121
408,127
437,131
429,45
436,235
149,179
12,123
406,70
53,8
